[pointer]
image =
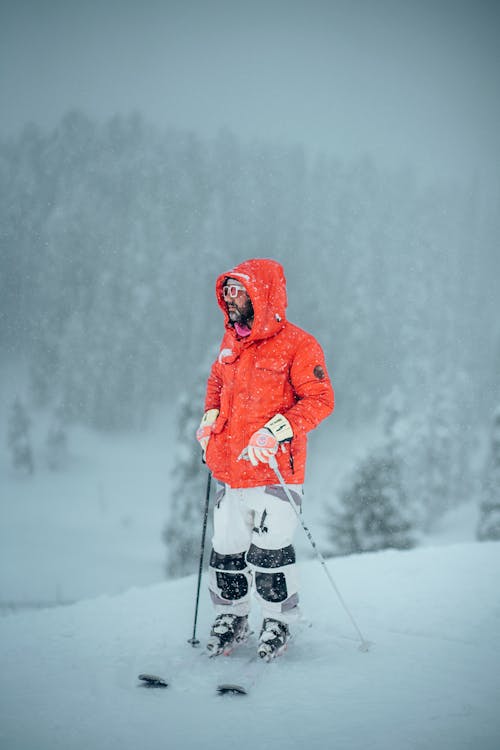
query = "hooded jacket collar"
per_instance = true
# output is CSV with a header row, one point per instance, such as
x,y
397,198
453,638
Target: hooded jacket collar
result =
x,y
264,280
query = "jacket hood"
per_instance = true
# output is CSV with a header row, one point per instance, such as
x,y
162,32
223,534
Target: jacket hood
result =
x,y
264,280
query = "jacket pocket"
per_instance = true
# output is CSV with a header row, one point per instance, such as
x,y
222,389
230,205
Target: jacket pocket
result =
x,y
219,424
268,385
272,367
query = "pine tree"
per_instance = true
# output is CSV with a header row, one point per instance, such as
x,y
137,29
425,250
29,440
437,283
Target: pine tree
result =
x,y
489,510
18,438
56,442
182,532
373,508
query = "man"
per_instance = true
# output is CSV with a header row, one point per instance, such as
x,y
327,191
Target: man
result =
x,y
268,387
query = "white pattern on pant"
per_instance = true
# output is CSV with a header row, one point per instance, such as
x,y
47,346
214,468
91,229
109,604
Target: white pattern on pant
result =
x,y
257,523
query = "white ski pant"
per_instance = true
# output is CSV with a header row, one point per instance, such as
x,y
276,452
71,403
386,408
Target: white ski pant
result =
x,y
252,548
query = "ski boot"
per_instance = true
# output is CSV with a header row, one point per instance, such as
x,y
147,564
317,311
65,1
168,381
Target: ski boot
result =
x,y
228,631
273,639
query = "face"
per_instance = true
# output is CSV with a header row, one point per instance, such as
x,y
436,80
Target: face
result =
x,y
238,303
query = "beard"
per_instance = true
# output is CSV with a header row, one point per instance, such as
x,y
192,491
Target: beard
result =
x,y
242,315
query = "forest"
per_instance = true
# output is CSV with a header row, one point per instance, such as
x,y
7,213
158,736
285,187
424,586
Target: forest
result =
x,y
112,234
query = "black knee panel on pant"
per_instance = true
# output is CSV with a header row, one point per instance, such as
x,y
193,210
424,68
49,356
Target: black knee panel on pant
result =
x,y
228,562
271,586
232,586
271,558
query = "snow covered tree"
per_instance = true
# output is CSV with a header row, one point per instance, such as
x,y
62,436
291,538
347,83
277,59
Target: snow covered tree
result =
x,y
56,443
489,509
373,513
436,447
18,438
182,532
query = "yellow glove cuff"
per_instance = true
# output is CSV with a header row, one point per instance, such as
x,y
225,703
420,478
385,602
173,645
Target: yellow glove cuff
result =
x,y
280,427
209,417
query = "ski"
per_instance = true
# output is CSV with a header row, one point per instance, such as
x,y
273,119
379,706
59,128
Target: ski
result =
x,y
226,688
155,681
249,670
152,681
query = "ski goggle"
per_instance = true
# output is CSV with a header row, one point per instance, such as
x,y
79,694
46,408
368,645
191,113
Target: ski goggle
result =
x,y
231,291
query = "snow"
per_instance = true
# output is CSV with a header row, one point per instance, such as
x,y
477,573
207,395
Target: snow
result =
x,y
430,679
92,535
92,529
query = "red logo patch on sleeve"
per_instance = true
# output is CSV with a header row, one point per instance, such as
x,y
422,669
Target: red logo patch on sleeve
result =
x,y
319,372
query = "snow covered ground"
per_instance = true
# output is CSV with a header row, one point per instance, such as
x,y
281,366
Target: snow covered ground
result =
x,y
95,528
92,529
431,679
92,535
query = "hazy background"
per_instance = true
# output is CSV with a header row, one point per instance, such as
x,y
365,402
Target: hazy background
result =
x,y
145,148
405,81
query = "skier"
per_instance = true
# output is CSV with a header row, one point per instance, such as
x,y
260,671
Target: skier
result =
x,y
268,387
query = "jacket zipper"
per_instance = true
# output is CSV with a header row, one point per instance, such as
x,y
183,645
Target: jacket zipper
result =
x,y
290,458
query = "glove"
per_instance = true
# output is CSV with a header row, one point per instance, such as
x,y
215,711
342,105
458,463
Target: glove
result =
x,y
205,429
264,443
280,428
261,446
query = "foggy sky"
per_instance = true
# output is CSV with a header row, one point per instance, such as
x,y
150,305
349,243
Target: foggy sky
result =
x,y
407,81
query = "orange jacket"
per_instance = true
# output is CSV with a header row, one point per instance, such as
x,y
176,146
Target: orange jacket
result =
x,y
278,368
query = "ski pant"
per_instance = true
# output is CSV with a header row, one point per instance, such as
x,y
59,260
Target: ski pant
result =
x,y
252,547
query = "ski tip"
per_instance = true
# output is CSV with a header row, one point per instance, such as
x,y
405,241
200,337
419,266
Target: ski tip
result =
x,y
226,689
152,680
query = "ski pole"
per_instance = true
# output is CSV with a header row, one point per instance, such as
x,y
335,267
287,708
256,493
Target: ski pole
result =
x,y
193,640
364,644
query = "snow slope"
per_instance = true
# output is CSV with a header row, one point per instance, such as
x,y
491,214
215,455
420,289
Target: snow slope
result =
x,y
94,528
431,680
